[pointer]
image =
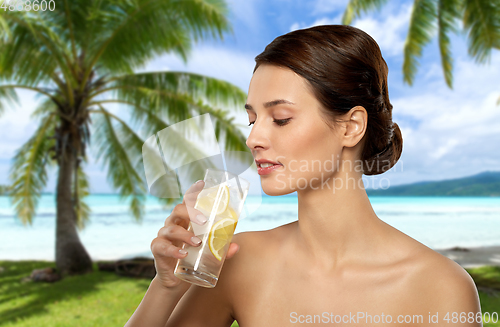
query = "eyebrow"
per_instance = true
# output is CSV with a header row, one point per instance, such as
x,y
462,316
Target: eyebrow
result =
x,y
270,104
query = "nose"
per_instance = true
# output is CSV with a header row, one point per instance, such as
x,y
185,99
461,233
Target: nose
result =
x,y
258,137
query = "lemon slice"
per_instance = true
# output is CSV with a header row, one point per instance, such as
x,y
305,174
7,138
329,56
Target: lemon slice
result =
x,y
220,234
207,197
229,213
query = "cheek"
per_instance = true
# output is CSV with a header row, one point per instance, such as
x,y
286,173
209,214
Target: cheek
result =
x,y
313,153
309,143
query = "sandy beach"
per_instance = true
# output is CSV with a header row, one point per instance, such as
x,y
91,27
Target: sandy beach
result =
x,y
473,256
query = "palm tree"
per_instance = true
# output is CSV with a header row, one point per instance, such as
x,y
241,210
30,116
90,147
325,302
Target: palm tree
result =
x,y
480,20
3,189
81,57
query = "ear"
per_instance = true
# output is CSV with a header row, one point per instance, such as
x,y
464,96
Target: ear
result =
x,y
355,125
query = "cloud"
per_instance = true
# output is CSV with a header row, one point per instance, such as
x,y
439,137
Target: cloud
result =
x,y
16,125
328,6
244,11
321,21
295,26
457,134
229,65
389,30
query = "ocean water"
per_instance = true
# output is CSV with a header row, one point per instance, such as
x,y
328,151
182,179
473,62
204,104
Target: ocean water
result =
x,y
438,222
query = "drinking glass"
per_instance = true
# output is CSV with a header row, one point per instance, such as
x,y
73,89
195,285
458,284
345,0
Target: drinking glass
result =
x,y
221,201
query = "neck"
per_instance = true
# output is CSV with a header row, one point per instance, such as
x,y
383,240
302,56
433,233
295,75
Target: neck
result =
x,y
337,224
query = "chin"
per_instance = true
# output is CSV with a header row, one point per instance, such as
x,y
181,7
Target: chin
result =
x,y
275,190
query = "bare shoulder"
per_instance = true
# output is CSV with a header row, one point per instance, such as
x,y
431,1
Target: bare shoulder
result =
x,y
433,282
257,249
264,238
216,306
259,245
439,284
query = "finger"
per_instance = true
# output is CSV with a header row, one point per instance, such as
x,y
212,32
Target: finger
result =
x,y
196,215
162,248
233,249
178,216
192,192
177,234
182,215
189,200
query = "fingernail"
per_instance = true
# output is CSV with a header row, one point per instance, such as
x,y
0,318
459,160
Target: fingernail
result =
x,y
195,240
199,181
201,219
182,251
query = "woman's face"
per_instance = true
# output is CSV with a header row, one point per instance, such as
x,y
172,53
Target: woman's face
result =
x,y
288,129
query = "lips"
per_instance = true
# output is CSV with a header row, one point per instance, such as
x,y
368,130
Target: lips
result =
x,y
269,166
259,162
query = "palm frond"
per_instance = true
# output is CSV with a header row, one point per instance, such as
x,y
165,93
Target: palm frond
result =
x,y
169,90
356,7
46,107
163,181
421,30
79,23
225,130
182,149
161,98
29,170
121,171
5,32
179,147
75,20
82,209
448,12
139,30
232,139
3,24
69,23
7,95
133,145
34,50
131,141
482,20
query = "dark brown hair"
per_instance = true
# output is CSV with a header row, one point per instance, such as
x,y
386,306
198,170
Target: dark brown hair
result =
x,y
345,68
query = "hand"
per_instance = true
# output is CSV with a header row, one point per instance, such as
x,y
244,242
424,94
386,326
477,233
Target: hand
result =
x,y
167,246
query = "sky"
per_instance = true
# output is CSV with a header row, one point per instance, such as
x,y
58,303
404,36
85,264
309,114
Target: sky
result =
x,y
446,133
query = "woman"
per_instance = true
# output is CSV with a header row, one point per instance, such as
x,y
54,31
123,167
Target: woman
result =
x,y
319,105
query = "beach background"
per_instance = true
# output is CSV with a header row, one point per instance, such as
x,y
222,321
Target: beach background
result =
x,y
444,191
438,222
448,134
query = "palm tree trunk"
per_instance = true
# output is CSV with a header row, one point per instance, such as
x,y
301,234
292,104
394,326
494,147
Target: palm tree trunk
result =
x,y
71,256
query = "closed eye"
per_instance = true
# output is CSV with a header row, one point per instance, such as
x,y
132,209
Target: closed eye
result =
x,y
279,122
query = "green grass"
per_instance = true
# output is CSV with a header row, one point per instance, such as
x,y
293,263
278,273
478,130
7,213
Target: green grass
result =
x,y
106,299
97,299
489,277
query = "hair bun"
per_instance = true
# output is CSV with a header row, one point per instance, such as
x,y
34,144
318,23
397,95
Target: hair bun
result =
x,y
387,158
391,132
